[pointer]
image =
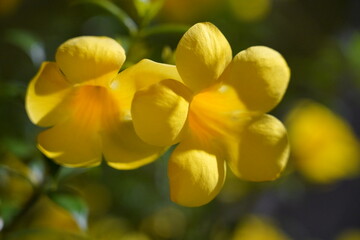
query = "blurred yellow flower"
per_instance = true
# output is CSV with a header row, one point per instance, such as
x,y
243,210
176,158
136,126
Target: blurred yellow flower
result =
x,y
166,223
16,181
47,220
217,114
113,228
188,10
250,11
258,228
350,234
8,7
323,145
47,214
86,102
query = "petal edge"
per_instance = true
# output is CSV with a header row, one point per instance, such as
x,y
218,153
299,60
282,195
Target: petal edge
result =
x,y
262,151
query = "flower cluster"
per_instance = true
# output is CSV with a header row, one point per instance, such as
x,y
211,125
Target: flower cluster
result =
x,y
212,105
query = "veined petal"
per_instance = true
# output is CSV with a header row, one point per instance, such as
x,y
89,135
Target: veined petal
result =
x,y
138,76
90,58
214,113
202,55
262,150
123,149
46,95
160,111
260,75
77,140
195,173
70,144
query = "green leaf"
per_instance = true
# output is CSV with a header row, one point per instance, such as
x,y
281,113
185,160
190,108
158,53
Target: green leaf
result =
x,y
116,11
74,204
148,9
18,146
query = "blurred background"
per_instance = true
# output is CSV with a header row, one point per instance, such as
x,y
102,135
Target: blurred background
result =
x,y
318,196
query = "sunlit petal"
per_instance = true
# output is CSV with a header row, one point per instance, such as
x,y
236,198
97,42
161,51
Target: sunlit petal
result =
x,y
195,173
90,58
123,149
138,76
202,55
260,75
262,150
77,140
214,113
70,144
46,96
160,112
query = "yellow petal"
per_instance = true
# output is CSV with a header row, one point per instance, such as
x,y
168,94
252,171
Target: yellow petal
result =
x,y
260,75
70,144
262,151
160,112
138,76
214,113
90,58
123,149
324,146
46,94
195,173
202,55
77,140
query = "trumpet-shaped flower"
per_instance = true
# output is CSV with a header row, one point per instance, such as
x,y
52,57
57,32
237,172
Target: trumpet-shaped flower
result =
x,y
324,146
217,114
86,102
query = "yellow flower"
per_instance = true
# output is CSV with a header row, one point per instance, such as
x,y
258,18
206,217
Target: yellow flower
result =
x,y
258,228
47,214
217,114
323,145
86,102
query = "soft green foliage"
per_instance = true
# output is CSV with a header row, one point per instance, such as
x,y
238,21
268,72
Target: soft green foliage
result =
x,y
320,41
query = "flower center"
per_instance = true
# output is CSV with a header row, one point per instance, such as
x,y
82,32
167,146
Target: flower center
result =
x,y
93,106
213,113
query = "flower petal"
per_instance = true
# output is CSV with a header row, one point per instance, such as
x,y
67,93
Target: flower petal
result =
x,y
90,58
202,55
46,94
214,113
123,149
262,151
77,140
260,75
195,173
138,76
160,112
70,144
